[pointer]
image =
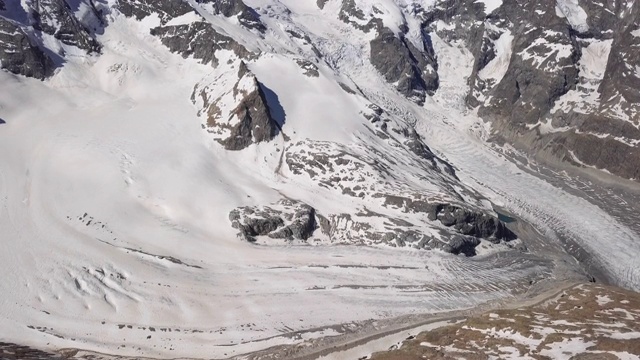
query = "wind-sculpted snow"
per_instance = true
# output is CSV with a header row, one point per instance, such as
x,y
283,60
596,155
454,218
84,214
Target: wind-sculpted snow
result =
x,y
220,180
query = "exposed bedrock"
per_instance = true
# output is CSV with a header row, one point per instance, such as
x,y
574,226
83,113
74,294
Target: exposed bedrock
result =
x,y
240,116
55,17
399,61
459,230
19,55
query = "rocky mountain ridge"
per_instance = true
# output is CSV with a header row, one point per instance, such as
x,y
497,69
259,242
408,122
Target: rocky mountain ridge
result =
x,y
556,78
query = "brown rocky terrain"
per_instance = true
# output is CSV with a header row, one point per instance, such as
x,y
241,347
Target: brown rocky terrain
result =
x,y
588,321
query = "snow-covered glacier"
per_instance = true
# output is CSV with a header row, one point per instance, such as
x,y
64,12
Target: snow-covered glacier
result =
x,y
226,178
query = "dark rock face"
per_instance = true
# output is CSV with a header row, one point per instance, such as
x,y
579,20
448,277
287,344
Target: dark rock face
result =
x,y
321,3
407,138
623,79
288,220
246,15
20,50
310,69
10,351
603,153
462,245
199,40
255,227
462,229
418,147
56,18
474,223
535,78
166,9
398,60
551,97
227,8
617,114
249,122
302,227
19,56
256,123
464,221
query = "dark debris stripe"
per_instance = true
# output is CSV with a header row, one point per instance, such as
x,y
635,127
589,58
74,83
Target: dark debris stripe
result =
x,y
10,351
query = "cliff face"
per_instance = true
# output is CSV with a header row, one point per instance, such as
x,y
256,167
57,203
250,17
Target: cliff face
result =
x,y
558,77
56,18
239,116
19,55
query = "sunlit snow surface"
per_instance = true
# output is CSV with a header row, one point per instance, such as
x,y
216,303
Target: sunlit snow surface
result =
x,y
114,206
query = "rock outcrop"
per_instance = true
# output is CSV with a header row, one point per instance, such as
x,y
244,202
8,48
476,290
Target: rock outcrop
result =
x,y
236,8
461,232
288,220
19,55
321,3
35,39
240,116
464,221
473,223
166,9
411,66
556,78
351,14
198,40
55,17
399,61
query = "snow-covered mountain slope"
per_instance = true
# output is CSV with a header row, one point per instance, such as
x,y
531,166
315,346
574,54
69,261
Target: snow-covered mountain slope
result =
x,y
212,178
